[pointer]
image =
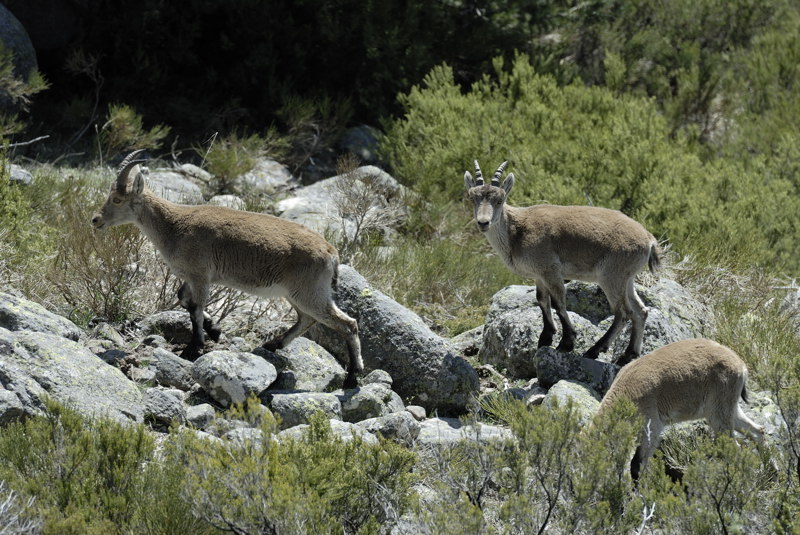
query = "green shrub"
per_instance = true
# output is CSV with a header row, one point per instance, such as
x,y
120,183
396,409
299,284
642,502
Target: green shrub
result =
x,y
450,281
15,92
95,476
27,243
233,155
123,131
83,477
15,515
317,484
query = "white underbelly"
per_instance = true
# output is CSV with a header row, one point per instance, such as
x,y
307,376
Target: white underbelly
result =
x,y
266,292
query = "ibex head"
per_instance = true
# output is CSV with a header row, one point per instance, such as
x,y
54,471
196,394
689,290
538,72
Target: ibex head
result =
x,y
125,193
488,199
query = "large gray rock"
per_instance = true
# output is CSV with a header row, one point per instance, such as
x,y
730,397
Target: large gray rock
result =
x,y
344,430
369,401
424,366
513,325
583,397
315,206
200,415
19,175
174,187
228,201
162,408
174,325
552,366
401,427
304,365
36,365
265,178
19,314
449,431
171,370
658,332
231,377
14,38
362,141
11,408
296,408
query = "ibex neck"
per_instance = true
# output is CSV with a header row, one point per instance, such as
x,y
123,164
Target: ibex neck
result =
x,y
157,220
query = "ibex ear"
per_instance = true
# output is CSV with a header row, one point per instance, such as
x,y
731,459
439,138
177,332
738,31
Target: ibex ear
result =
x,y
137,187
468,182
508,183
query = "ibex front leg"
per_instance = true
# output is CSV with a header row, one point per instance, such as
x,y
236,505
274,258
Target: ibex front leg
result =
x,y
201,321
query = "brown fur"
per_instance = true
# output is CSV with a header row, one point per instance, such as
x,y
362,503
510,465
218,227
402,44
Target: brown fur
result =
x,y
257,253
550,244
686,380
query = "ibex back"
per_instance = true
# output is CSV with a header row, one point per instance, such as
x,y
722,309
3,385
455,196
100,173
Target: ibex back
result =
x,y
257,253
550,244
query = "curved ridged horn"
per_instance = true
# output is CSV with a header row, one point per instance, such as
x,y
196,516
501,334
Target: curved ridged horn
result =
x,y
127,163
478,175
499,173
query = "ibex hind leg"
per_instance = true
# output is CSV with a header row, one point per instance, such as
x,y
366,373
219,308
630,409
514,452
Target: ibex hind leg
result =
x,y
638,313
348,327
304,322
602,345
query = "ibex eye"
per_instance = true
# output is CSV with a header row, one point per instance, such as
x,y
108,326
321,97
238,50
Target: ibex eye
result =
x,y
116,201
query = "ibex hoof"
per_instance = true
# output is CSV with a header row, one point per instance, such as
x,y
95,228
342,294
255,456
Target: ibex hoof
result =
x,y
212,331
545,340
566,345
191,353
350,382
625,359
272,345
593,353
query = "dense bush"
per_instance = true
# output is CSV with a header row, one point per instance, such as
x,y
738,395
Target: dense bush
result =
x,y
316,484
579,145
100,476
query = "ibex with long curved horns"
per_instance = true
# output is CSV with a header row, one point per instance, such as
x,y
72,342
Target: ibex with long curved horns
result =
x,y
550,244
257,253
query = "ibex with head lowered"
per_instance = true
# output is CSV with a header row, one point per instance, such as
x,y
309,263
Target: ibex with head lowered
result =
x,y
686,380
550,244
257,253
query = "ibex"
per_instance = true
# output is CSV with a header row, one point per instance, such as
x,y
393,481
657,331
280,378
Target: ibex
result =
x,y
257,253
551,244
686,380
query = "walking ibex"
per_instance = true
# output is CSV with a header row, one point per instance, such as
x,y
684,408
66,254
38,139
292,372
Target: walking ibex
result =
x,y
550,244
686,380
257,253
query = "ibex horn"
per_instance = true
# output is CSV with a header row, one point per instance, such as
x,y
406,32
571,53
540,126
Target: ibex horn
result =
x,y
499,173
129,161
478,175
